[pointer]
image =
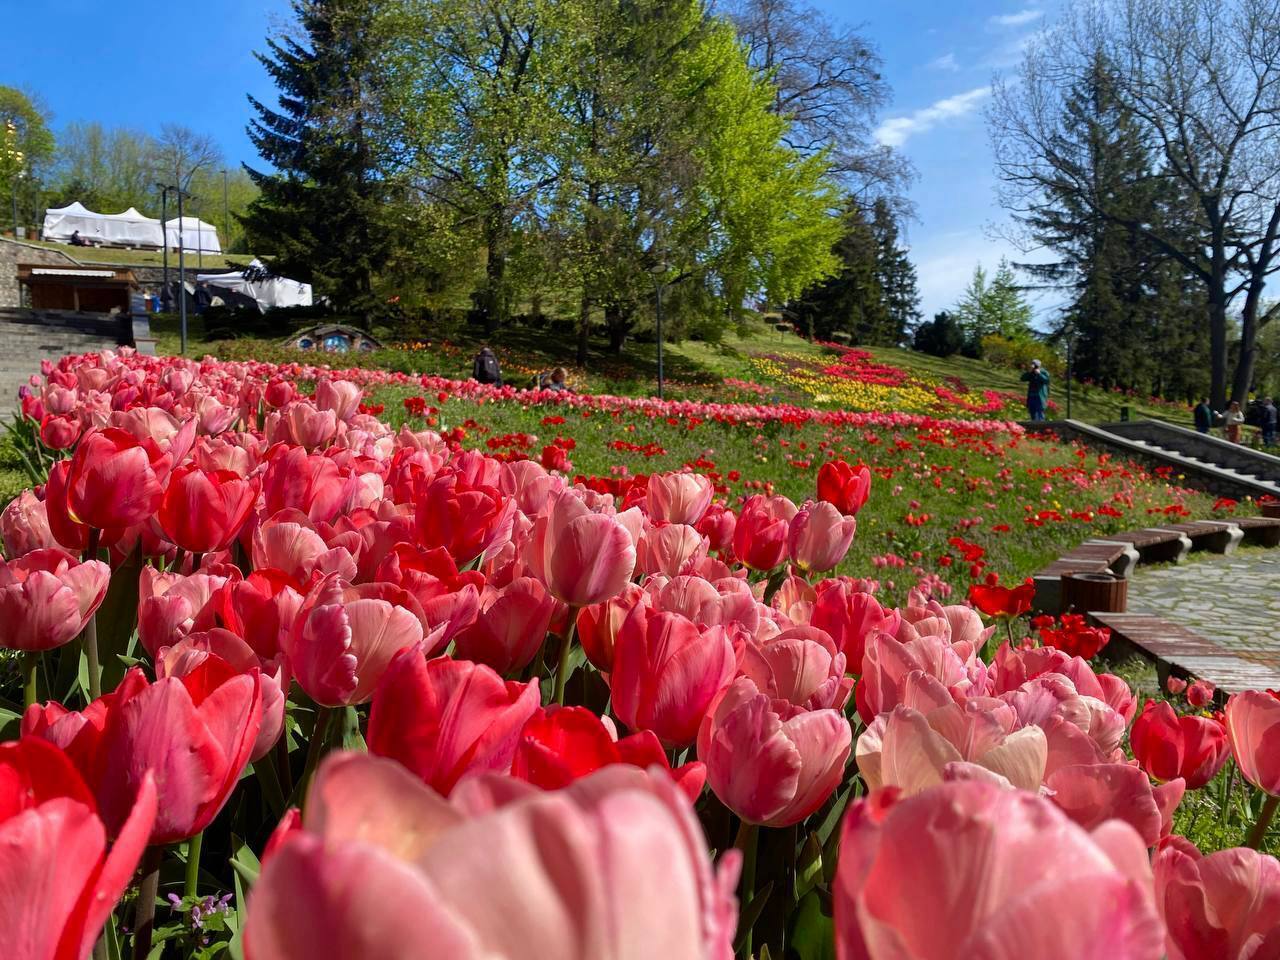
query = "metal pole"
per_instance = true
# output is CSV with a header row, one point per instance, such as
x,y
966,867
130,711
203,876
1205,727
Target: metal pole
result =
x,y
660,340
182,274
15,208
164,243
1069,376
226,214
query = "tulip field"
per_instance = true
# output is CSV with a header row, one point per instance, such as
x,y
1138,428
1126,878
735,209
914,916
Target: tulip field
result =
x,y
303,664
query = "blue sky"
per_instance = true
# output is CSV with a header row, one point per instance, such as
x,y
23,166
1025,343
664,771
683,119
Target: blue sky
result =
x,y
939,57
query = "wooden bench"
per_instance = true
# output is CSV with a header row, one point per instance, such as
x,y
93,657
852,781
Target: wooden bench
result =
x,y
1218,536
1177,651
1156,544
1259,531
1092,556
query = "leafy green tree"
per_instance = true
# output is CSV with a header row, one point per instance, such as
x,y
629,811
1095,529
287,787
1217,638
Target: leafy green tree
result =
x,y
994,306
26,146
851,302
939,337
327,211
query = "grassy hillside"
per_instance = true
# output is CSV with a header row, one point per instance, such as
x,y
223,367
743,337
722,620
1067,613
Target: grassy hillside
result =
x,y
145,258
763,365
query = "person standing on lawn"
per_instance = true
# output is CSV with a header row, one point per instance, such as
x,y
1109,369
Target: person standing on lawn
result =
x,y
1233,420
1270,422
1203,414
1037,381
485,367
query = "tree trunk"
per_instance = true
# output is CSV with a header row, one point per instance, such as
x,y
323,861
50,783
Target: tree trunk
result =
x,y
1218,343
584,328
493,300
618,323
1248,360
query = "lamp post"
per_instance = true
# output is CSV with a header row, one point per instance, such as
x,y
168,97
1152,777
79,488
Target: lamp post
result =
x,y
658,270
164,243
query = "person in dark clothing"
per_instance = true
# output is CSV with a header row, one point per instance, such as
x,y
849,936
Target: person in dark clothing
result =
x,y
1270,422
485,368
1203,414
1037,381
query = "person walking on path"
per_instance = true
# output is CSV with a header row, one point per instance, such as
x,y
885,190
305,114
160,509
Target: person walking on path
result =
x,y
1233,420
1270,422
1203,416
485,367
1037,381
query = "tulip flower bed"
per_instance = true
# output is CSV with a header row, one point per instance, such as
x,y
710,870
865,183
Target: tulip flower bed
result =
x,y
299,682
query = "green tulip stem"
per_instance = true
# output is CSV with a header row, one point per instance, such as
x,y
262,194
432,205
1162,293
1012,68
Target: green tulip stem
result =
x,y
145,915
193,865
315,750
1259,831
562,666
30,666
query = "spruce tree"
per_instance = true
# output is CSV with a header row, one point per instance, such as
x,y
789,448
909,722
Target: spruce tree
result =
x,y
896,274
323,209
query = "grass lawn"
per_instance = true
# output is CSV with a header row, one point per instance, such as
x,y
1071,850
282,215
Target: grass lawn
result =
x,y
145,258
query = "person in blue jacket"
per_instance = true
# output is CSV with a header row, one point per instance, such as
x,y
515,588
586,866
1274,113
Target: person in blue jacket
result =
x,y
1037,381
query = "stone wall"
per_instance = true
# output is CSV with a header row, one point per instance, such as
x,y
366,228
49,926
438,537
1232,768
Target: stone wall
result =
x,y
13,252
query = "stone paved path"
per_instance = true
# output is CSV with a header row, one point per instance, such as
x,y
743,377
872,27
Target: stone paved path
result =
x,y
1234,600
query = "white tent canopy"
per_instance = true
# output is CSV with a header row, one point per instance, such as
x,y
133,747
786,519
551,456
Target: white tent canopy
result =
x,y
255,283
196,235
128,229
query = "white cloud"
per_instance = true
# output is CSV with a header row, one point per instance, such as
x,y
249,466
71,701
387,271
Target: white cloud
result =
x,y
1019,19
895,131
945,62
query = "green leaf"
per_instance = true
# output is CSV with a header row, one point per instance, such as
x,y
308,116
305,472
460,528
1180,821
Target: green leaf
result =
x,y
812,931
245,863
808,866
750,913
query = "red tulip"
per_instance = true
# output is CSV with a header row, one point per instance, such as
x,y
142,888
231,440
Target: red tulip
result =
x,y
466,520
66,530
598,624
511,625
678,497
58,432
562,744
278,393
449,599
760,537
996,601
445,718
819,537
666,673
846,487
848,617
24,525
203,510
962,871
261,609
581,557
112,482
195,733
46,598
1253,726
1168,746
768,761
1224,906
1200,694
308,482
60,882
612,867
345,636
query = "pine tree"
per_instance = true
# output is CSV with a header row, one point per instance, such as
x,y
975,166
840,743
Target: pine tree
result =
x,y
324,209
995,307
897,275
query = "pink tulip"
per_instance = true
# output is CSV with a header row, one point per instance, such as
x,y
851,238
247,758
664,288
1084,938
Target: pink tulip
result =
x,y
46,598
718,525
449,599
1224,906
298,550
669,549
308,482
678,497
1091,794
613,867
820,536
888,664
345,636
666,673
261,609
760,536
769,761
510,627
66,529
800,666
24,525
303,424
705,603
445,719
1253,727
112,481
969,869
170,606
581,557
61,882
911,750
598,624
532,487
340,396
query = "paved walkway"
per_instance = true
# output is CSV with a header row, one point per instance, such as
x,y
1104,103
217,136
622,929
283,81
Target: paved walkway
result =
x,y
1234,600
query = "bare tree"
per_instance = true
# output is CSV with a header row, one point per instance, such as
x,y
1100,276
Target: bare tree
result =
x,y
1202,78
830,86
182,152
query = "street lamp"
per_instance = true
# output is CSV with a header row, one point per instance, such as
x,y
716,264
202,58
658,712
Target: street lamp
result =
x,y
659,270
164,242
